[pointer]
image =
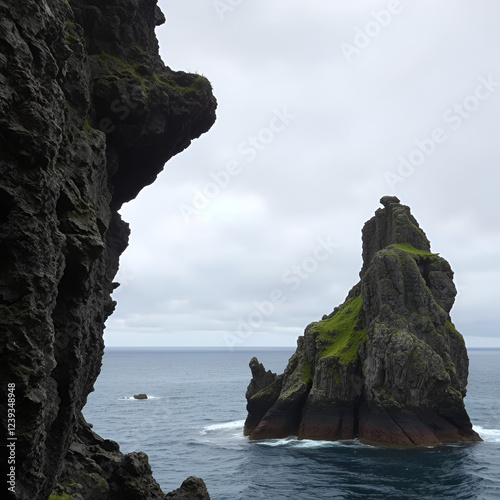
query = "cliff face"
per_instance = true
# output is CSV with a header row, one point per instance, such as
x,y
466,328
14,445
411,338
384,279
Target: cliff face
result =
x,y
89,114
388,365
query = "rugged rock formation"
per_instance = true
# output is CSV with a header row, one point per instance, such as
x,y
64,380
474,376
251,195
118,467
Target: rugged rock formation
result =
x,y
191,489
89,114
388,365
263,391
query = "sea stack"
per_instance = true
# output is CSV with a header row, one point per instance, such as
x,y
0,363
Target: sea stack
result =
x,y
387,366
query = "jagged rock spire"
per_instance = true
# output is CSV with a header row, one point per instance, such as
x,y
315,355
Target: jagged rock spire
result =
x,y
386,366
392,224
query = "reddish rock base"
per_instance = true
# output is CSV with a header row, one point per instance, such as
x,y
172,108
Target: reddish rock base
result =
x,y
407,428
282,420
375,426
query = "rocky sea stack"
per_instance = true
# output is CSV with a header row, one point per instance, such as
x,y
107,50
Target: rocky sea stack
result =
x,y
89,114
387,366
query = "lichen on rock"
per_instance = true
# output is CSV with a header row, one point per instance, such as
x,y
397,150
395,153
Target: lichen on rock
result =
x,y
89,114
387,366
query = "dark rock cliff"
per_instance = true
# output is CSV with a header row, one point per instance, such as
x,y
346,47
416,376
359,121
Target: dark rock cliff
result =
x,y
89,114
387,366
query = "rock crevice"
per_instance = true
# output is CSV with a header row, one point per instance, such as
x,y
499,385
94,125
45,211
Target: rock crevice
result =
x,y
387,366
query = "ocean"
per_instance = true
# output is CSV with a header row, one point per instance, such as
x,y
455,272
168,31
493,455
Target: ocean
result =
x,y
192,424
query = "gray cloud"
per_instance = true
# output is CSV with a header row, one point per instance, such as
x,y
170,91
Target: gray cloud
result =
x,y
189,282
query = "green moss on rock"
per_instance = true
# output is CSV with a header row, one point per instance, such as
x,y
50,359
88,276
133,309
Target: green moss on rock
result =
x,y
337,379
306,372
59,496
117,65
87,127
295,390
411,249
189,85
68,482
341,331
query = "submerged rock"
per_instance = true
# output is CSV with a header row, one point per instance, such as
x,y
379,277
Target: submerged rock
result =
x,y
89,114
140,396
387,366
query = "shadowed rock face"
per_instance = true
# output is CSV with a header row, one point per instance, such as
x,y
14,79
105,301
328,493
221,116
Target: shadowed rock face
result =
x,y
89,114
387,366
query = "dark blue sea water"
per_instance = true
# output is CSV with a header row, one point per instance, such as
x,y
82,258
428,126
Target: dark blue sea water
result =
x,y
192,425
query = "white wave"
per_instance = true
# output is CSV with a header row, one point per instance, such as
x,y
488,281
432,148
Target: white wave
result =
x,y
277,442
309,443
226,426
489,435
293,441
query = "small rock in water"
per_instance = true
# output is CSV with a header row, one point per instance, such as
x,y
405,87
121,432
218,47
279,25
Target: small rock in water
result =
x,y
140,396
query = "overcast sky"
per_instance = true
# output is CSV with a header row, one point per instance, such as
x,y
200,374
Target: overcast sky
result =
x,y
324,106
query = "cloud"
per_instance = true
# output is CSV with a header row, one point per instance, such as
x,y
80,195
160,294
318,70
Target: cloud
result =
x,y
187,282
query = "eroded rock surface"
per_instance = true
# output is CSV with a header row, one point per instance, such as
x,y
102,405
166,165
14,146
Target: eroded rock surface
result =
x,y
387,366
89,114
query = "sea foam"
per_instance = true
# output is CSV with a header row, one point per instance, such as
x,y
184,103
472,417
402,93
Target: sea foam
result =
x,y
488,435
226,426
